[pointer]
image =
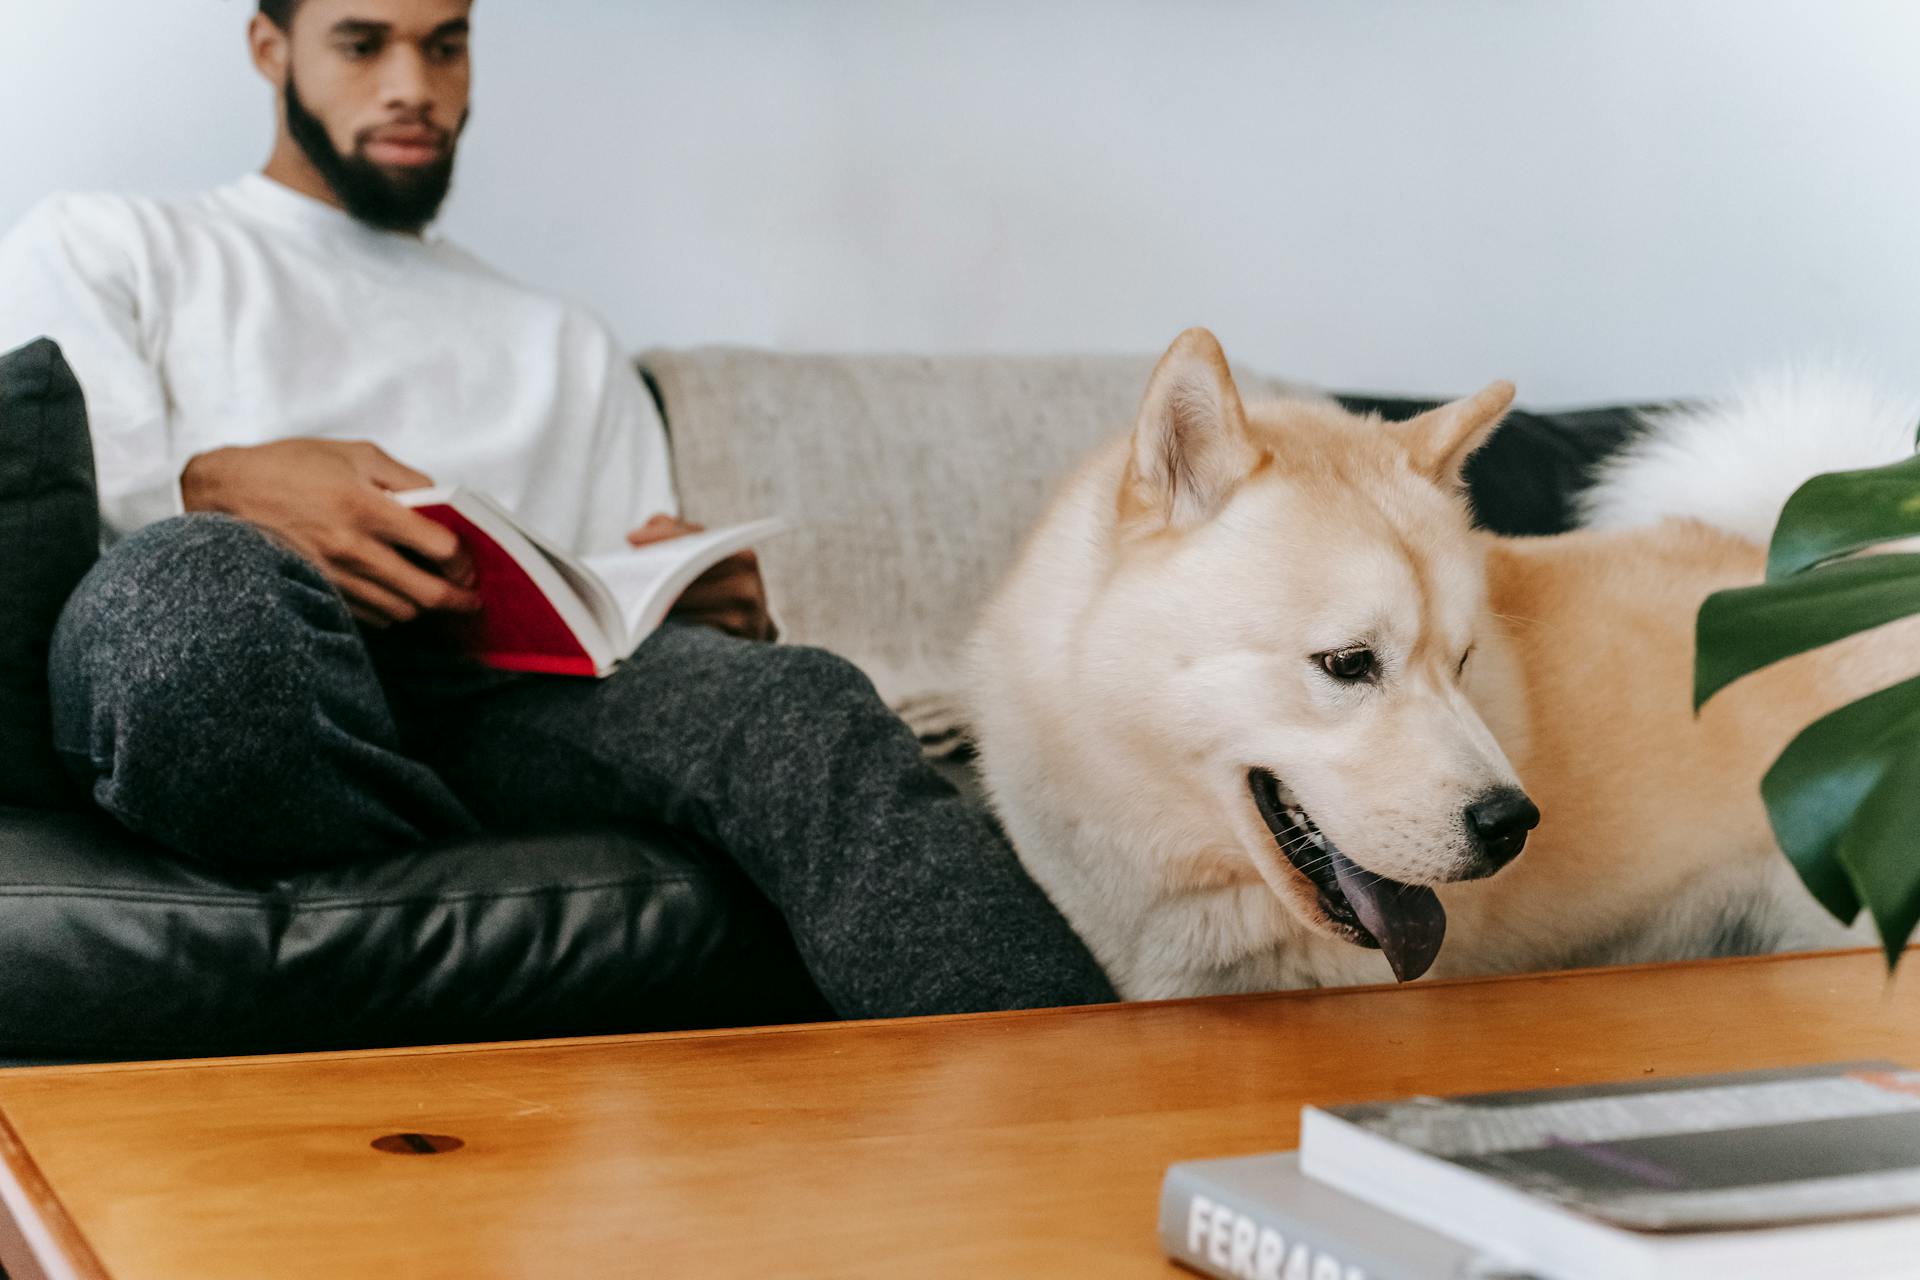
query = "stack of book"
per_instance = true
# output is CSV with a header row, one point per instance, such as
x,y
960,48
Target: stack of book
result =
x,y
1808,1172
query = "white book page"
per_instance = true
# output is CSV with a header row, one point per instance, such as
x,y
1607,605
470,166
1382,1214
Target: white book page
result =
x,y
591,590
647,580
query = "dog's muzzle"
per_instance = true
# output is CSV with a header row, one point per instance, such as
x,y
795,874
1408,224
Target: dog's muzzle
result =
x,y
1405,921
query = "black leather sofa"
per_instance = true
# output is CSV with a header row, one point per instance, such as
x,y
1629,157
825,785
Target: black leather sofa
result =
x,y
110,947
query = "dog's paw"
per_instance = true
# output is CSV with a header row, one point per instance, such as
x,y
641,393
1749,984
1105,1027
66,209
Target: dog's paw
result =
x,y
940,721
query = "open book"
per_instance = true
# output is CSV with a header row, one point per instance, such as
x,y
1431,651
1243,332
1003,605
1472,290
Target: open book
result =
x,y
545,610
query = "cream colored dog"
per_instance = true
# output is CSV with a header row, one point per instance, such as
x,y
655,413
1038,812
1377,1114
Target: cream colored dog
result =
x,y
1260,708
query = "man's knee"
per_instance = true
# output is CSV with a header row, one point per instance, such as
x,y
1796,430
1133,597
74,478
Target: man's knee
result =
x,y
180,632
187,598
202,547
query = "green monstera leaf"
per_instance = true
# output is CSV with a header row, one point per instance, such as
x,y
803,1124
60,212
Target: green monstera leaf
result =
x,y
1865,754
1844,797
1742,630
1846,511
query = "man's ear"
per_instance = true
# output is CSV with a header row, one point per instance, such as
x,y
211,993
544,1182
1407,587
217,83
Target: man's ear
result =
x,y
267,44
1191,447
1441,440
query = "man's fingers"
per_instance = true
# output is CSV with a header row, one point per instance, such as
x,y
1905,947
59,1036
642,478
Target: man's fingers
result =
x,y
740,566
747,623
427,539
369,601
734,619
377,465
660,528
372,559
734,601
721,593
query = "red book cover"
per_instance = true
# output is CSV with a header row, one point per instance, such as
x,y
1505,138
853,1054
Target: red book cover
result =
x,y
517,627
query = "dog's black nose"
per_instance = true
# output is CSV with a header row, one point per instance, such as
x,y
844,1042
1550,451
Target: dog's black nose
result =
x,y
1500,820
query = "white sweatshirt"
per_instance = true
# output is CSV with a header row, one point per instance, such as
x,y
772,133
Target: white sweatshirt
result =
x,y
252,313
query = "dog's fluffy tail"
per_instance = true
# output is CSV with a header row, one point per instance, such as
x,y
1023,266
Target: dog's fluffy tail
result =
x,y
1733,463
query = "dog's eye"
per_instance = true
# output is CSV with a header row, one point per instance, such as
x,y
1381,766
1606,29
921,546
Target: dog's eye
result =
x,y
1348,664
1461,669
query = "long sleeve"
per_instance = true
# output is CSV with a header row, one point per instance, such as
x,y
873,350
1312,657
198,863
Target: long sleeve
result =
x,y
70,271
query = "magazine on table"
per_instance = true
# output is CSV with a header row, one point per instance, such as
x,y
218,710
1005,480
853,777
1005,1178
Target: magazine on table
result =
x,y
1259,1218
1803,1172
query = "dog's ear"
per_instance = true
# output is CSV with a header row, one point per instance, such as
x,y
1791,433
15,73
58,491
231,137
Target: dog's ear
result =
x,y
1191,447
1441,440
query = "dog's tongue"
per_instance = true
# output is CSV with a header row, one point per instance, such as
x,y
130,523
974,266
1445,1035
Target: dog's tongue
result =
x,y
1407,920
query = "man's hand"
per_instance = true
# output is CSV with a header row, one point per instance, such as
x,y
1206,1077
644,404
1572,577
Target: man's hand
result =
x,y
729,597
328,500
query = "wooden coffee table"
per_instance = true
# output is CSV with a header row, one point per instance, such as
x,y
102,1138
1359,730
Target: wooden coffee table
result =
x,y
994,1145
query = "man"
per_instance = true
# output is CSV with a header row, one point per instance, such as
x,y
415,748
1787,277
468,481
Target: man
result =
x,y
238,677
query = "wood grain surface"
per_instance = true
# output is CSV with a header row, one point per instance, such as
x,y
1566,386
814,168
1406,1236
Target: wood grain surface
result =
x,y
993,1145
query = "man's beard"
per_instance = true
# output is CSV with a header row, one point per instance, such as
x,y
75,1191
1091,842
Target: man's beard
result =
x,y
406,201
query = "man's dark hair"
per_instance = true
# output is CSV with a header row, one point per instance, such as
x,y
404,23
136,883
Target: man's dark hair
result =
x,y
280,12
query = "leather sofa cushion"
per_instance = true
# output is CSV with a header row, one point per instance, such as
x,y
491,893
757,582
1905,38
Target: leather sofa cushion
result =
x,y
111,948
49,536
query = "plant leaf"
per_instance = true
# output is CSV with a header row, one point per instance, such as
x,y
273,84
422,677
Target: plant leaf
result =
x,y
1843,512
1747,628
1825,774
1878,851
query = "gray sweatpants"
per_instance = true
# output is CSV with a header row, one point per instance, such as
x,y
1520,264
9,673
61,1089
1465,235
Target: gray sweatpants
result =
x,y
212,687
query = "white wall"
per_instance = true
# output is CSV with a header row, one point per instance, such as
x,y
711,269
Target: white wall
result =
x,y
1601,199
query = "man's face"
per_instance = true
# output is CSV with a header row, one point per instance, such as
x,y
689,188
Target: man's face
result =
x,y
375,94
